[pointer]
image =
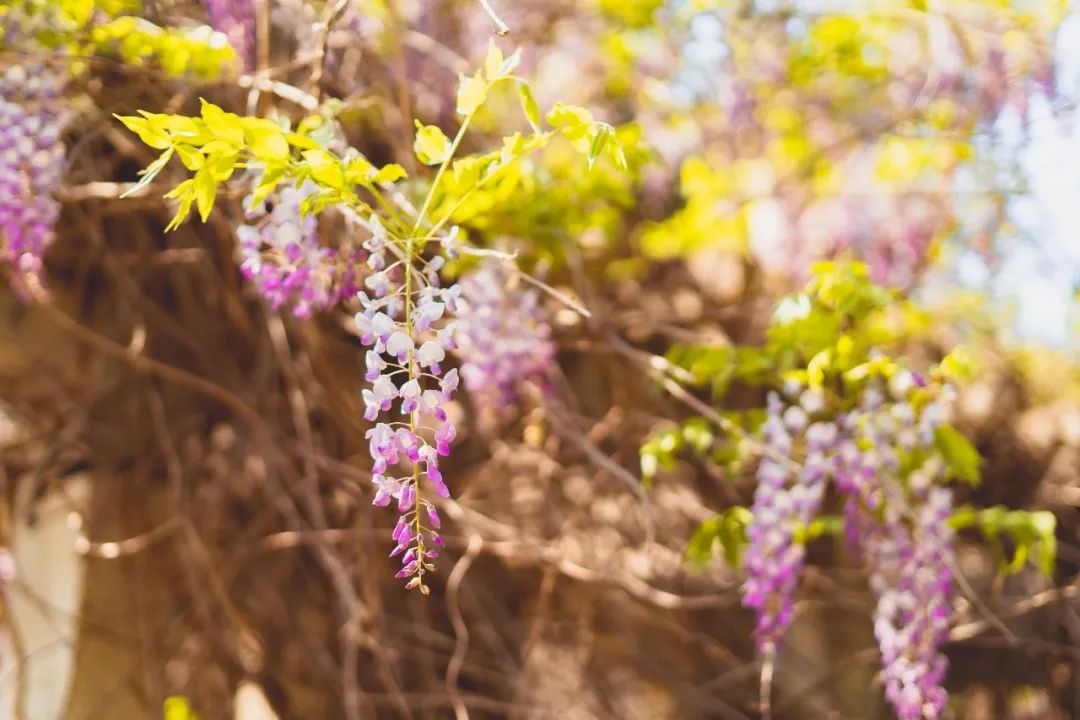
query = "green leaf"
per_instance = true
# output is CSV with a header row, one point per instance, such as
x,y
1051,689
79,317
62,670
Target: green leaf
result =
x,y
266,140
602,134
668,441
325,168
791,309
733,534
511,63
821,525
358,171
301,142
271,178
992,521
431,146
698,434
177,707
617,155
964,517
650,465
192,158
700,548
205,190
389,174
185,191
472,92
222,167
726,531
149,173
957,365
568,116
150,132
815,369
1045,526
224,126
493,61
528,105
959,454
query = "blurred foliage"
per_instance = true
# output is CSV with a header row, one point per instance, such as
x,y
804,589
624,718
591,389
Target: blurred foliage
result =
x,y
84,28
758,192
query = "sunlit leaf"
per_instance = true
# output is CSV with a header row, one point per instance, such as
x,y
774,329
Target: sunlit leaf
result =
x,y
959,454
431,146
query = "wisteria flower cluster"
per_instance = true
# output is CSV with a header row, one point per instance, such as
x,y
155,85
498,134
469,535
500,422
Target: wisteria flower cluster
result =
x,y
504,337
281,255
236,20
31,165
402,324
882,459
404,311
787,497
897,521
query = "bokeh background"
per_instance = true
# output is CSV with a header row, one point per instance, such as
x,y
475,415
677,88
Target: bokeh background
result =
x,y
186,493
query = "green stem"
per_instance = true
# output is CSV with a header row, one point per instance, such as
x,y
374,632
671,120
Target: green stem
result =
x,y
480,183
442,169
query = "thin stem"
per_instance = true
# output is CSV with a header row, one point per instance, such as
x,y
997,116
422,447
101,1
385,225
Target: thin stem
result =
x,y
480,183
438,175
501,28
386,206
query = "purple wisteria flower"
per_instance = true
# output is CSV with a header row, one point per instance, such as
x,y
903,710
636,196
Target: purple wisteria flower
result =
x,y
898,523
504,338
236,20
882,460
911,577
787,498
408,397
281,255
31,166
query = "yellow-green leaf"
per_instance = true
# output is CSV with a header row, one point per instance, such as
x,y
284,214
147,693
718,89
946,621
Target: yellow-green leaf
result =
x,y
815,369
957,365
431,146
325,168
568,116
602,133
359,171
190,130
224,126
205,191
222,167
270,179
185,192
147,131
266,140
177,707
617,155
510,64
389,174
150,172
528,105
959,454
472,92
493,61
192,158
302,142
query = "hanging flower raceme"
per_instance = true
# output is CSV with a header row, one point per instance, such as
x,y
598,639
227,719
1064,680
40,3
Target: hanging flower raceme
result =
x,y
31,166
505,341
911,577
408,394
787,498
897,519
236,20
882,457
281,255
